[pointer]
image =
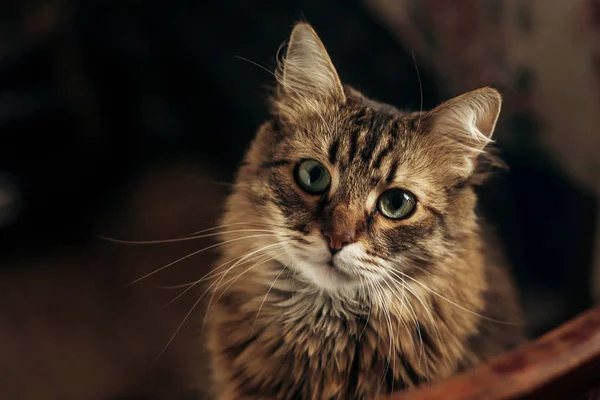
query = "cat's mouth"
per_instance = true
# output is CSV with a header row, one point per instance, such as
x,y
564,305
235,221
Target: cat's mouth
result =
x,y
331,262
336,269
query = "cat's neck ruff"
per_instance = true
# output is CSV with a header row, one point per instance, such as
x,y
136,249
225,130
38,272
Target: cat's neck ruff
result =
x,y
272,317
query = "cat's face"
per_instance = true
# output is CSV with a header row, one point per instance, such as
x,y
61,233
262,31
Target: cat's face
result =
x,y
359,191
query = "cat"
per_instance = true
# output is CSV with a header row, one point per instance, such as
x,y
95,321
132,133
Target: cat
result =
x,y
353,263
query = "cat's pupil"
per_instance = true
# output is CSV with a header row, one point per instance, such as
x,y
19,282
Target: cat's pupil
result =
x,y
314,174
397,201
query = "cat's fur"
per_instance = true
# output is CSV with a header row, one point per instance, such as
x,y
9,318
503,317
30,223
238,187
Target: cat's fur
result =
x,y
410,301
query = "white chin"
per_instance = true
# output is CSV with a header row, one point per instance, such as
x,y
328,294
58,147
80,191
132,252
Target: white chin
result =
x,y
325,277
315,268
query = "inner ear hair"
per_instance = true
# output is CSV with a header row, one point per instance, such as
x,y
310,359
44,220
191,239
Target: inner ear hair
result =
x,y
470,118
306,76
464,127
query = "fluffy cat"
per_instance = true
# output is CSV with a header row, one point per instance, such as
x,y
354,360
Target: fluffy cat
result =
x,y
354,263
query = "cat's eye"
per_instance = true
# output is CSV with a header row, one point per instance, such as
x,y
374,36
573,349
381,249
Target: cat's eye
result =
x,y
312,176
396,204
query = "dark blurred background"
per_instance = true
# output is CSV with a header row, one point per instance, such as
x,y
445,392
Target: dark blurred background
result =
x,y
98,96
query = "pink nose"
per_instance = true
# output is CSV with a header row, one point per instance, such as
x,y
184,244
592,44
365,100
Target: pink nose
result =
x,y
338,240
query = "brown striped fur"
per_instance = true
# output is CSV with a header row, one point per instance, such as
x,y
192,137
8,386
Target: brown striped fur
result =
x,y
410,301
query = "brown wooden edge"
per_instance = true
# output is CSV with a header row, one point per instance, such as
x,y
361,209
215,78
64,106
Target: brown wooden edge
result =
x,y
563,364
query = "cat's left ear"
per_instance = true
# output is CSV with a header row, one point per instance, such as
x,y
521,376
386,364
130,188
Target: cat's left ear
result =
x,y
306,76
467,123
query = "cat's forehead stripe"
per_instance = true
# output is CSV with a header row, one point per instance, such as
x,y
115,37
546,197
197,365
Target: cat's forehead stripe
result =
x,y
386,150
333,151
392,172
353,144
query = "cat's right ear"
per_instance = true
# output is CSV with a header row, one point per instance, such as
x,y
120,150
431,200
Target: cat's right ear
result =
x,y
306,76
464,126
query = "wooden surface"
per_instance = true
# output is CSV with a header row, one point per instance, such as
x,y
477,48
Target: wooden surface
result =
x,y
563,364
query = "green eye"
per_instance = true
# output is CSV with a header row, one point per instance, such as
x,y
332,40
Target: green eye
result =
x,y
396,204
312,176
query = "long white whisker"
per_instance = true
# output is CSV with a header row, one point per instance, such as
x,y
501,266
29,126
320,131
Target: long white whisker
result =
x,y
425,308
232,267
378,290
258,224
293,289
182,323
456,304
188,315
413,314
390,333
270,257
287,279
401,318
214,228
197,252
183,239
213,274
362,283
265,298
213,182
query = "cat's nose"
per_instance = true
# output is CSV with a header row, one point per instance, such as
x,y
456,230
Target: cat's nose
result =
x,y
337,240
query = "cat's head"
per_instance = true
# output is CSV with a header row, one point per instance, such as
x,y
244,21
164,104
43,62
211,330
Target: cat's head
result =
x,y
354,189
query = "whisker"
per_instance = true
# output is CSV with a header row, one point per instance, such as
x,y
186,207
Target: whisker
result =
x,y
287,279
188,284
270,257
249,223
362,283
410,290
188,315
262,259
213,182
456,304
195,253
378,291
281,82
230,268
400,317
265,299
420,88
293,289
213,274
182,322
390,334
216,286
183,239
413,314
215,228
429,314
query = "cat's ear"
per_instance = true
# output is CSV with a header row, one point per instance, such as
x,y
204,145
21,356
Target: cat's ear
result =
x,y
306,74
467,123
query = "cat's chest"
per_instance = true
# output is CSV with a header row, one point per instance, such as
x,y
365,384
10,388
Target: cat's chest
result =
x,y
303,352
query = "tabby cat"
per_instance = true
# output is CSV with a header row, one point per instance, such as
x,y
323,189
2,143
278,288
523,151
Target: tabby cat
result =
x,y
354,264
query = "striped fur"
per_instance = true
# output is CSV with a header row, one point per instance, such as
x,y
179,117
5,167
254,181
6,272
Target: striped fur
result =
x,y
411,301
